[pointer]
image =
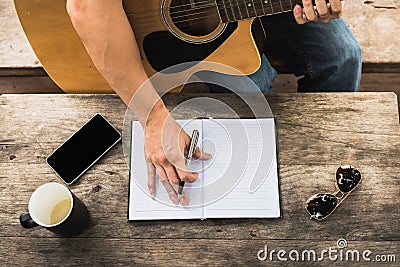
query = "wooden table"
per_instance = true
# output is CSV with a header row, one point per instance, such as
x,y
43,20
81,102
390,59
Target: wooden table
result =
x,y
316,132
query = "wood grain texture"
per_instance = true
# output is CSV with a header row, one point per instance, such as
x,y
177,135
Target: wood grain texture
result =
x,y
144,252
15,50
316,133
28,85
376,25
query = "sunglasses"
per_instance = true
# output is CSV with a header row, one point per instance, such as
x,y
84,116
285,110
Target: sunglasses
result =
x,y
320,206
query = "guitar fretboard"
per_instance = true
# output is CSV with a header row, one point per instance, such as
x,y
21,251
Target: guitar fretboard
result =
x,y
234,10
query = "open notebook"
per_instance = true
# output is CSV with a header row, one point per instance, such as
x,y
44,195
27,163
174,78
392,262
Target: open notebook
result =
x,y
239,181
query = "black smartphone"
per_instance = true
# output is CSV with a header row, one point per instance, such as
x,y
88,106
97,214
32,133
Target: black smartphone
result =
x,y
83,149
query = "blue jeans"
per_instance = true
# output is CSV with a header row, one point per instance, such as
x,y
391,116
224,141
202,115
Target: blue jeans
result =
x,y
327,56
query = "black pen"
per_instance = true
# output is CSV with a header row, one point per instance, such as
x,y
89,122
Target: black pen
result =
x,y
192,148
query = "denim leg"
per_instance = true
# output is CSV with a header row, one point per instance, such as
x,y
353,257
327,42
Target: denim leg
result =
x,y
328,55
262,78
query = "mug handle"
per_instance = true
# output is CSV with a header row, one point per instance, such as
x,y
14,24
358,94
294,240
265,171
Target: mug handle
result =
x,y
26,220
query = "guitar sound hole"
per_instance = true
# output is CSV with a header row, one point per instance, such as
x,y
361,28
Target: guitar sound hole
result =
x,y
194,17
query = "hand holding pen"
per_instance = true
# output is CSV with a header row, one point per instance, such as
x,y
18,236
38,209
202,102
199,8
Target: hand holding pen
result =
x,y
192,148
165,143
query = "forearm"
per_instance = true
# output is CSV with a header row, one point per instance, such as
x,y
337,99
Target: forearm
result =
x,y
110,42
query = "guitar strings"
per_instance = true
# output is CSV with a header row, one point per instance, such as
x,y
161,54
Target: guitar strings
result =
x,y
180,24
280,7
232,9
230,4
145,12
212,13
223,5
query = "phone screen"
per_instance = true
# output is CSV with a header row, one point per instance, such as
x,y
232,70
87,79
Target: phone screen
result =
x,y
83,149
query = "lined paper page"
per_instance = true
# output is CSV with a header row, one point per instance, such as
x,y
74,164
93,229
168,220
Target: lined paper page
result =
x,y
245,161
141,205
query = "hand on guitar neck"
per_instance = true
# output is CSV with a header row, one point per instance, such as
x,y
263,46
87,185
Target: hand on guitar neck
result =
x,y
317,11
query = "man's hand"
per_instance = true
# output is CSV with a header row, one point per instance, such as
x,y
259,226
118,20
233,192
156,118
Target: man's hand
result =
x,y
165,143
321,12
109,40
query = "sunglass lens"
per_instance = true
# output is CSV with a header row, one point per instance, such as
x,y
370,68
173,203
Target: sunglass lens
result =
x,y
321,205
347,178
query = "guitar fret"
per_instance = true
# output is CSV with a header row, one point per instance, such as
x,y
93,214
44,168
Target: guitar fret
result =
x,y
262,6
280,3
239,8
237,14
279,7
287,6
250,8
234,10
267,7
247,10
272,7
254,7
223,12
229,11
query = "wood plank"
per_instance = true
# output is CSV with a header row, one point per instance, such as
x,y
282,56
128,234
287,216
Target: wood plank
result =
x,y
21,72
376,25
299,112
372,144
15,51
197,252
379,67
379,82
28,85
315,127
104,190
26,81
370,82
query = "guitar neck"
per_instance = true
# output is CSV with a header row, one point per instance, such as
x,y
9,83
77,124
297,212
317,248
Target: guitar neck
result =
x,y
235,10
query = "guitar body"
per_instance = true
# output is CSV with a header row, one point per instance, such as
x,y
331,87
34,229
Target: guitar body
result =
x,y
163,40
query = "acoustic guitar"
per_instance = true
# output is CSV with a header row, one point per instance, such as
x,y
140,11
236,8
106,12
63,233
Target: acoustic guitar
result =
x,y
168,32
